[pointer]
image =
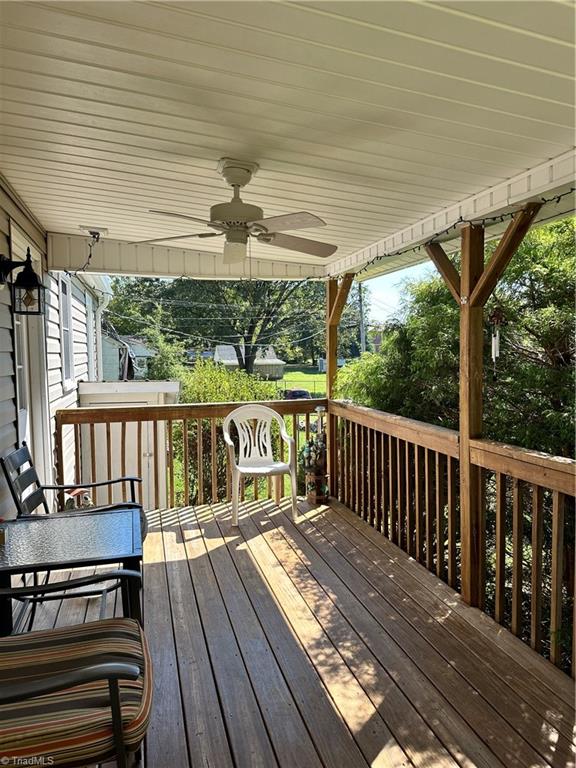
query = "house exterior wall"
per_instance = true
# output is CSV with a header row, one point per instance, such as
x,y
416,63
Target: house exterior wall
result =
x,y
42,352
11,215
63,389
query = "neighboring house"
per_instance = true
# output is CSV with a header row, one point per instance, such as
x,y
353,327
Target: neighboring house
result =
x,y
43,358
267,364
125,358
205,354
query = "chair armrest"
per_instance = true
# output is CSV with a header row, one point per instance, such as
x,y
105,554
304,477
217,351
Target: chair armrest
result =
x,y
28,689
228,439
57,586
92,485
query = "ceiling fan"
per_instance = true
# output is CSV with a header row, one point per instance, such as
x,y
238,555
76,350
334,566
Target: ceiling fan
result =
x,y
236,221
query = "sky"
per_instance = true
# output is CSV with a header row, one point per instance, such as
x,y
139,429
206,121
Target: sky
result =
x,y
387,292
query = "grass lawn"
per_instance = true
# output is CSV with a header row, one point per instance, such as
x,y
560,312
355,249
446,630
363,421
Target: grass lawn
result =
x,y
304,377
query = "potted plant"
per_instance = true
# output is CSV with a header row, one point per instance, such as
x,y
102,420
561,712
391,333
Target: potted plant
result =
x,y
313,460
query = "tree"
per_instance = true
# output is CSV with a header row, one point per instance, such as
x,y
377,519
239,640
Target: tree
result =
x,y
245,314
530,402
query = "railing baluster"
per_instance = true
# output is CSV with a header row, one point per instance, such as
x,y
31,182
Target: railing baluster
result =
x,y
440,532
557,572
393,490
156,466
213,464
200,459
409,504
355,471
378,487
186,461
401,485
517,558
109,459
429,502
418,506
500,543
123,454
139,460
452,495
93,478
77,454
536,569
385,485
171,463
369,470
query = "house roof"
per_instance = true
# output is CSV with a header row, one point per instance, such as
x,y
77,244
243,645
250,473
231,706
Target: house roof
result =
x,y
389,120
226,354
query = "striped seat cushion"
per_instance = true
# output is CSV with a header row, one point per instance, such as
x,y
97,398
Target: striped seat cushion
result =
x,y
73,727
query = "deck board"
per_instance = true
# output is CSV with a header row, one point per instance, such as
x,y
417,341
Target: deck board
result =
x,y
321,644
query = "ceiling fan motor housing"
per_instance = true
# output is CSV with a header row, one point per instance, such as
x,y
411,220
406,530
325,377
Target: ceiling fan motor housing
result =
x,y
235,213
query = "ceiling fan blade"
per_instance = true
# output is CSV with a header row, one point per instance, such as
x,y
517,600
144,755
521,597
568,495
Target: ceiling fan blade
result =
x,y
176,237
289,221
301,244
188,218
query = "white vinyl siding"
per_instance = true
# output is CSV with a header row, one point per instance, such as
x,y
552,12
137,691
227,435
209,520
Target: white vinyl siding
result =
x,y
67,329
8,404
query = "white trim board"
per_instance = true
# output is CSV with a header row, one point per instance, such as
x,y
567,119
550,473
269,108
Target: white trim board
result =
x,y
115,257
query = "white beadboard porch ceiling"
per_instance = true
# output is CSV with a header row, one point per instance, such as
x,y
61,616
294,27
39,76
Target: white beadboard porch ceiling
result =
x,y
373,115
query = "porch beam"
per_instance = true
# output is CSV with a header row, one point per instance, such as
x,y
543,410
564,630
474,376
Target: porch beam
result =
x,y
445,267
471,348
507,247
340,300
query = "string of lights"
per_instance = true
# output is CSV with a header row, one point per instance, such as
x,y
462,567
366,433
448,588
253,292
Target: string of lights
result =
x,y
486,221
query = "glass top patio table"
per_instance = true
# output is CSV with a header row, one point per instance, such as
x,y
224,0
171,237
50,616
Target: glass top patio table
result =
x,y
69,540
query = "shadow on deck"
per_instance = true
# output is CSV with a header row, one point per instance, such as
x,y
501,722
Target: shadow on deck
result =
x,y
322,644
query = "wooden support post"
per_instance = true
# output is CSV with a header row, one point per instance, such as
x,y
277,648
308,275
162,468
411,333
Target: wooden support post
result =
x,y
471,290
331,337
331,368
336,296
471,345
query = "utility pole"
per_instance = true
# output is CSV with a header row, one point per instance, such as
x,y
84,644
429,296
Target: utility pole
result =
x,y
362,325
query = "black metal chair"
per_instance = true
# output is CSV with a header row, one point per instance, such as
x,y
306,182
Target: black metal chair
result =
x,y
28,495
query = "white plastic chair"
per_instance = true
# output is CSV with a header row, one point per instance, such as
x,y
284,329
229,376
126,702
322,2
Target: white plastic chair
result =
x,y
254,425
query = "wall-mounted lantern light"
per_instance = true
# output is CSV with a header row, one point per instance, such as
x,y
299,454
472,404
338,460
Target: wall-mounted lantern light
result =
x,y
27,289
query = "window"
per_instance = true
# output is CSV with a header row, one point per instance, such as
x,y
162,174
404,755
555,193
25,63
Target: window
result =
x,y
66,337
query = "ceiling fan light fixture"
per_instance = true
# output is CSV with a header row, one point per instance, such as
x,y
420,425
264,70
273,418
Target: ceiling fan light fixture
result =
x,y
234,252
236,246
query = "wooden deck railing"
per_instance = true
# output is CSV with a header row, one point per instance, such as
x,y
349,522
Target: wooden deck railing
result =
x,y
401,476
178,450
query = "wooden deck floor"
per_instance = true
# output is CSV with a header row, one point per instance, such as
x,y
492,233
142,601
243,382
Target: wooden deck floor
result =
x,y
322,644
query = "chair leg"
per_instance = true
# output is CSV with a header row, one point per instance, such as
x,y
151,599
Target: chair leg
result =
x,y
294,488
235,497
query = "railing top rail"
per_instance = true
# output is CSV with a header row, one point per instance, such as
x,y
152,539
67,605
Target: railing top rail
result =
x,y
418,432
555,472
120,413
